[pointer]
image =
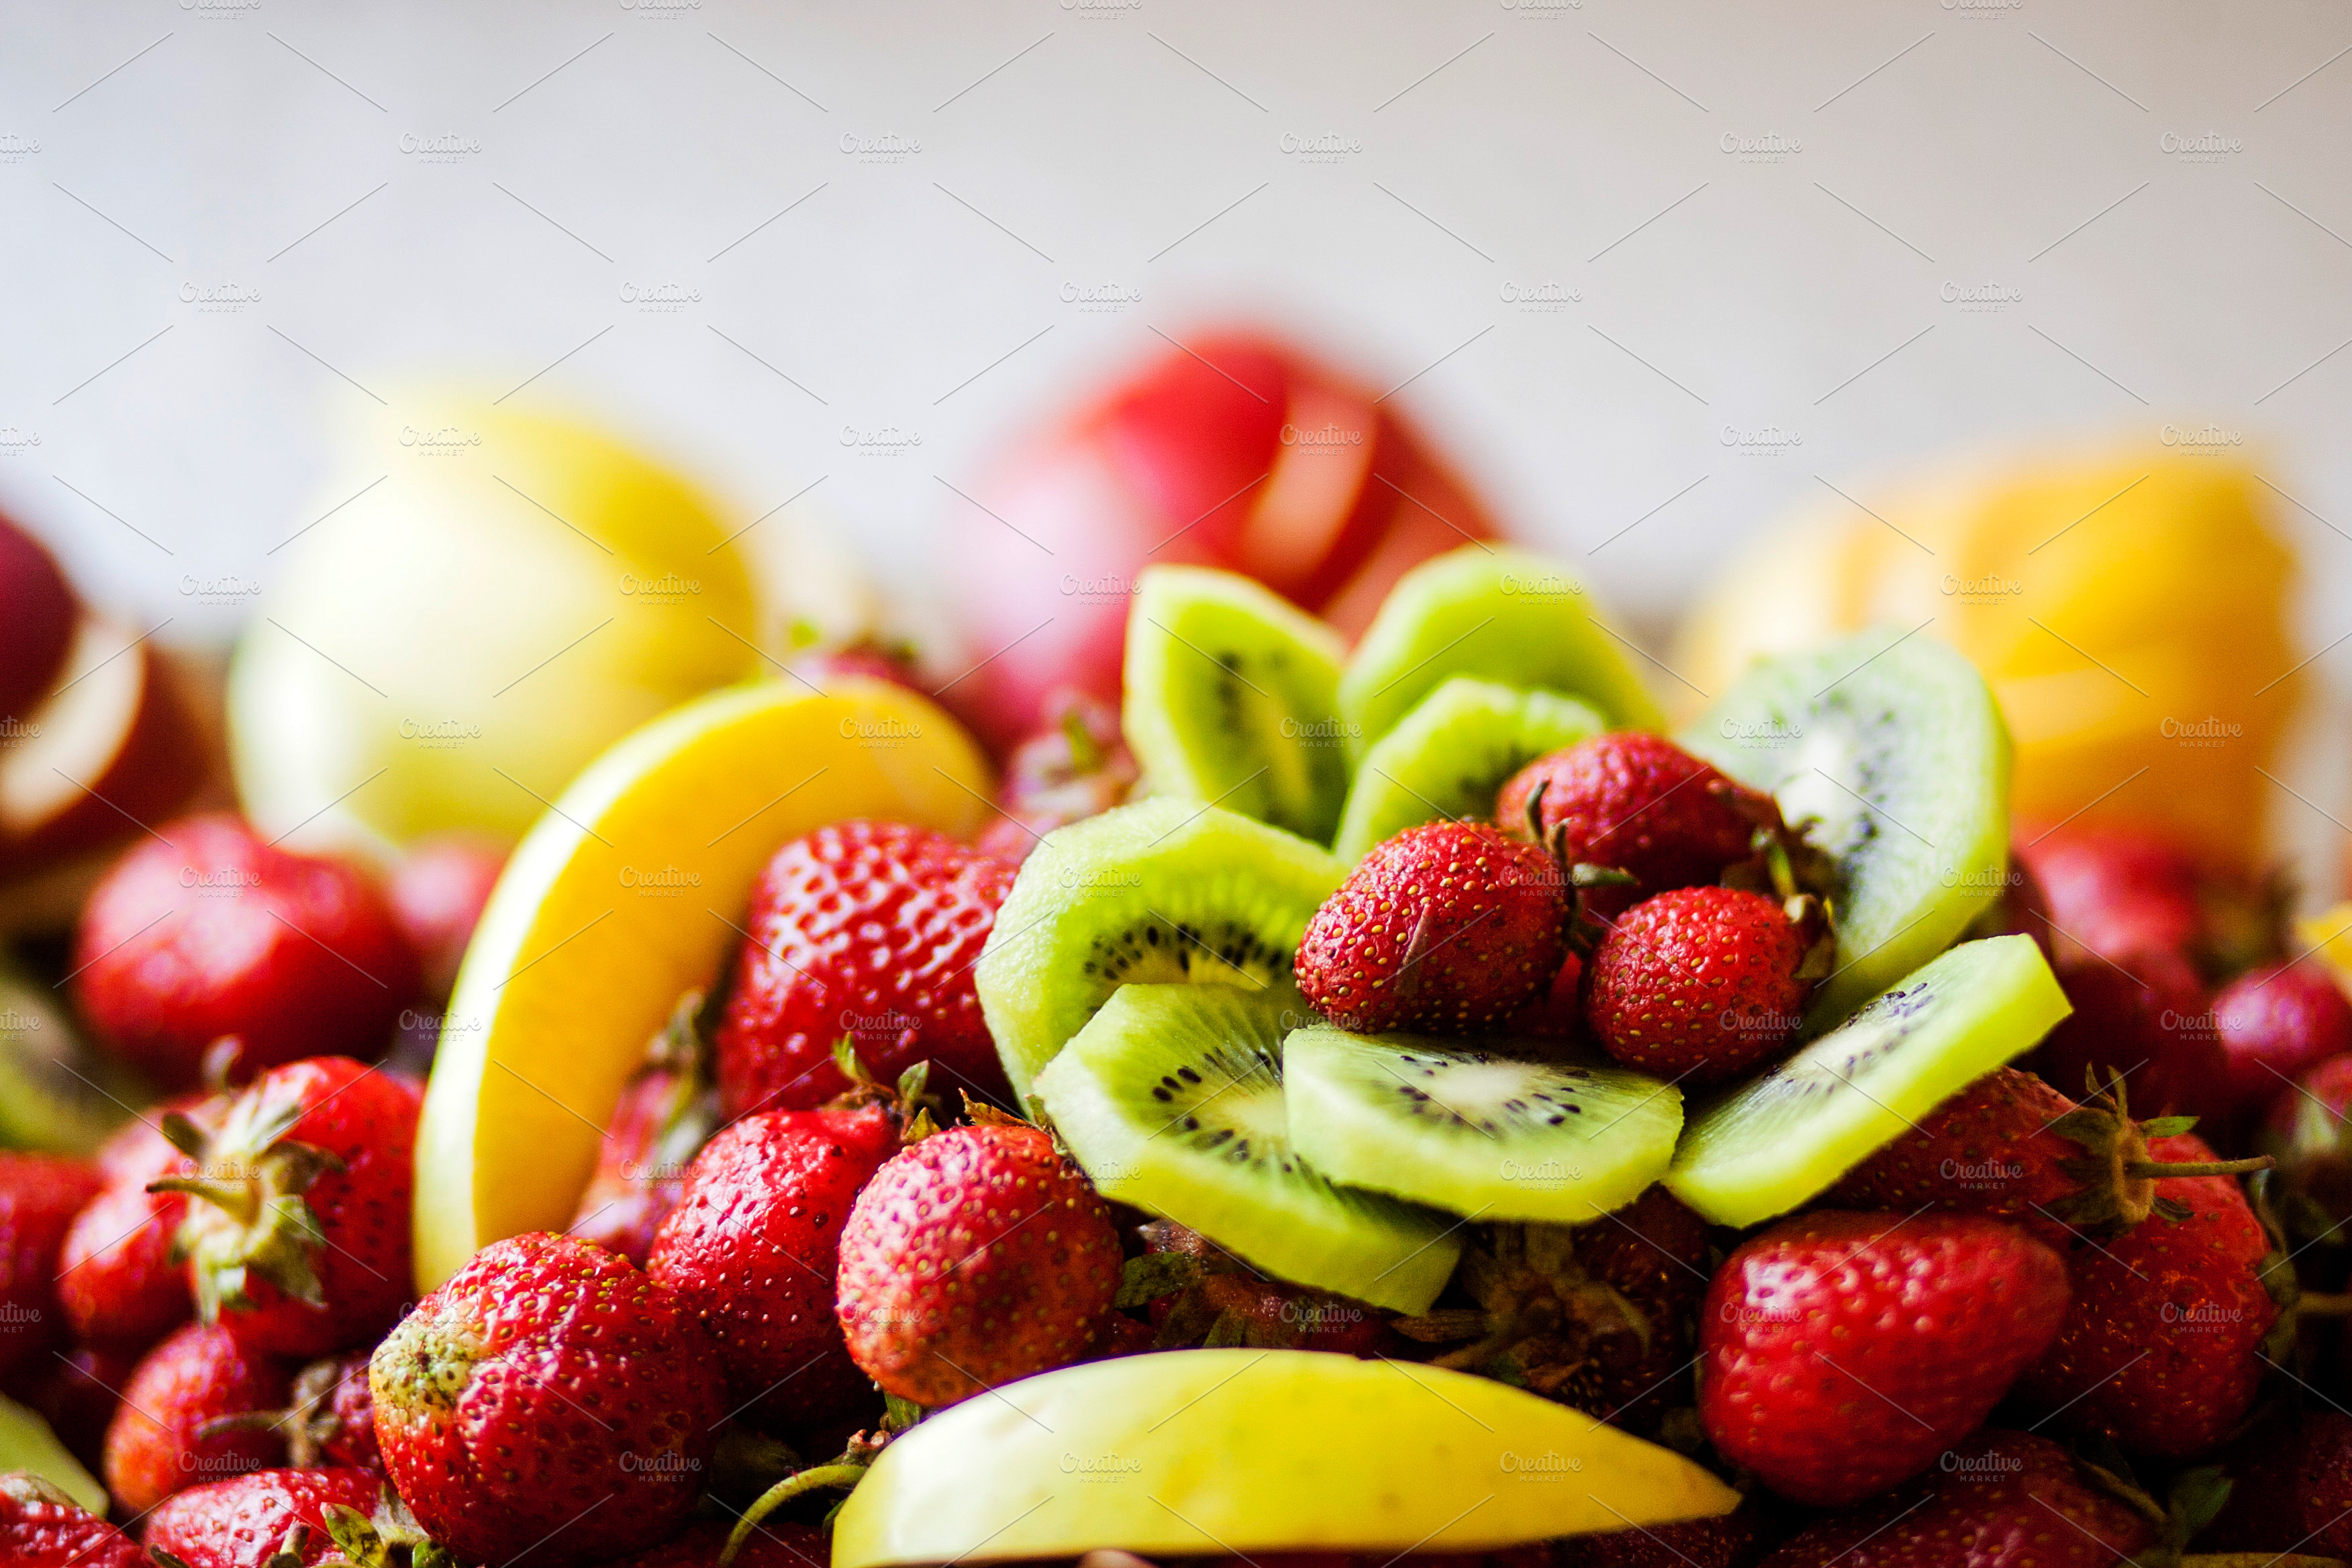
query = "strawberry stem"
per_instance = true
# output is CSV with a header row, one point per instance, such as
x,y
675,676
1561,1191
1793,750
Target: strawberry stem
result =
x,y
2158,1169
783,1492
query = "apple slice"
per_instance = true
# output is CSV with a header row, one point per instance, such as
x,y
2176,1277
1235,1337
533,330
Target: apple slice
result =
x,y
628,892
112,749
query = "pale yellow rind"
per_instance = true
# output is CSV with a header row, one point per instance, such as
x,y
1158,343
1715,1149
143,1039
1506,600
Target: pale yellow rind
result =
x,y
1212,1452
628,892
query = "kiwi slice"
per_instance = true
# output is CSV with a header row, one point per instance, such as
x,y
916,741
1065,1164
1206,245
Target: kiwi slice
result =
x,y
57,1095
1449,756
1172,1099
1770,1144
1503,615
1482,1134
1156,892
1233,696
1887,751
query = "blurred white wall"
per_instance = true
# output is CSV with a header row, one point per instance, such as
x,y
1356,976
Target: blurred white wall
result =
x,y
230,225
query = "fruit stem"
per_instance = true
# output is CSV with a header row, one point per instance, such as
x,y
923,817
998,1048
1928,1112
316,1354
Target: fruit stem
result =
x,y
783,1492
2313,1305
2160,1169
240,1198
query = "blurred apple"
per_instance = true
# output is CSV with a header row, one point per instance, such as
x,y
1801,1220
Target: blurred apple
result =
x,y
38,626
446,650
437,892
1233,450
113,749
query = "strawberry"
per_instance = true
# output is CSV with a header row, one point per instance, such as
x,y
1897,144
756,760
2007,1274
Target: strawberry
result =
x,y
1596,1316
2001,1500
1077,766
1734,1540
297,1237
1702,984
666,1112
773,1543
436,894
2162,1348
974,1256
867,929
2011,1147
2292,1489
283,1518
1638,803
2275,1024
548,1396
208,931
39,1195
752,1248
76,1393
2311,1132
40,1527
1197,1294
1556,1011
330,1418
1446,927
162,1439
2143,1013
1842,1352
117,1280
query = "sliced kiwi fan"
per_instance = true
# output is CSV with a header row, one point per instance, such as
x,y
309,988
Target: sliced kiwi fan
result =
x,y
1886,751
1172,1099
1448,757
1159,892
1477,1131
1501,615
1232,696
1768,1145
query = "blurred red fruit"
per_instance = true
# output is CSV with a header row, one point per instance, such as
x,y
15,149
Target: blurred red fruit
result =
x,y
1077,766
1232,451
2277,1023
437,892
206,931
39,623
2111,888
161,1440
39,1194
2142,1013
118,1282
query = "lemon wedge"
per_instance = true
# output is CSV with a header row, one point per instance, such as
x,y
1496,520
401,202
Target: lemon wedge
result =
x,y
630,889
1215,1452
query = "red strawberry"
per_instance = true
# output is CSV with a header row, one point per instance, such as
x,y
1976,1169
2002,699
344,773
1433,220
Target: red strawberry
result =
x,y
2143,1013
331,1418
2001,1499
436,894
1700,983
247,1521
548,1393
867,929
297,1234
2162,1348
2011,1147
2276,1024
1843,1351
1446,927
2114,888
773,1544
39,1194
1557,1012
752,1248
206,931
867,659
1732,1540
667,1113
159,1442
1077,766
974,1256
2291,1489
2310,1131
78,1394
117,1280
40,1527
1638,803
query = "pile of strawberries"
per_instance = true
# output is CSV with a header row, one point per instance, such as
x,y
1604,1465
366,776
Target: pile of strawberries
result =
x,y
2031,1326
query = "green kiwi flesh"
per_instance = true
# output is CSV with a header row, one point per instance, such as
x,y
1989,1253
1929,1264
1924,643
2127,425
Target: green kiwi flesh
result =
x,y
1157,892
1232,696
1484,1135
1887,751
1782,1138
1448,757
57,1095
1502,615
1172,1099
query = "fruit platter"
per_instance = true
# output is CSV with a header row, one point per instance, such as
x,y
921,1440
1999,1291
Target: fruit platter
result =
x,y
1338,1055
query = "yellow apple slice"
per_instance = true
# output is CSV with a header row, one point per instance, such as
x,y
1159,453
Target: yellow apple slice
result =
x,y
28,1443
1217,1452
628,891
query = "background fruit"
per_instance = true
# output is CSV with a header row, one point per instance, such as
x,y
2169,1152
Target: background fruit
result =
x,y
437,891
2115,606
620,903
1232,450
157,1444
394,671
27,1444
39,1194
41,614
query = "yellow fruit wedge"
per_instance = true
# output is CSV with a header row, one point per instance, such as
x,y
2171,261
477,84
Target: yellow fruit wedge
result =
x,y
28,1443
1215,1452
2328,936
630,891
